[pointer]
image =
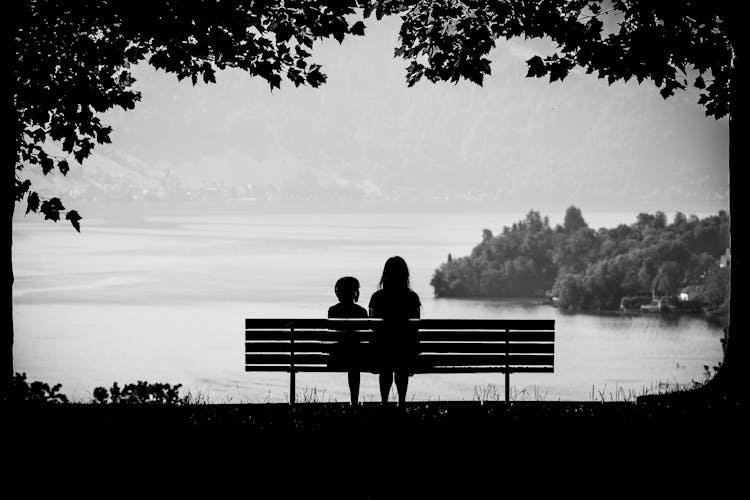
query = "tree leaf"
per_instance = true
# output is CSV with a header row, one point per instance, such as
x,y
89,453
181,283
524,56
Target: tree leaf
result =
x,y
557,71
68,144
208,74
315,77
73,217
63,166
51,209
357,28
536,67
46,163
274,80
32,202
22,188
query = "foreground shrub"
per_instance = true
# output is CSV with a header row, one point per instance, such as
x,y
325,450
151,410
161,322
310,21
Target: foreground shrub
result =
x,y
707,376
140,393
35,392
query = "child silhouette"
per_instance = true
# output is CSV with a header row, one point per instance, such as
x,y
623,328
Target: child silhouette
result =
x,y
347,291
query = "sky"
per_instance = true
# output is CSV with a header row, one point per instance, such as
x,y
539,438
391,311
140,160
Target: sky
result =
x,y
518,143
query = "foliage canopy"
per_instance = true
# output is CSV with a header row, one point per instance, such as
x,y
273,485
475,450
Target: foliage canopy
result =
x,y
74,58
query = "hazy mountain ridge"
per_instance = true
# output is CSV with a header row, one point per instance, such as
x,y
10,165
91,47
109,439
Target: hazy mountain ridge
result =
x,y
365,134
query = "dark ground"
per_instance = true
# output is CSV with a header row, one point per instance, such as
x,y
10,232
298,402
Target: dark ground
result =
x,y
316,448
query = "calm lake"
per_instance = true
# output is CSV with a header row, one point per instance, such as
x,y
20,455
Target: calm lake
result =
x,y
159,292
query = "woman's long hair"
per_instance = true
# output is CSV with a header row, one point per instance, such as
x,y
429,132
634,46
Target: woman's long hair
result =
x,y
395,274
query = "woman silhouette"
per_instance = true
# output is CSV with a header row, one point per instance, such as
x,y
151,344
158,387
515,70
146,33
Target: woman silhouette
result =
x,y
395,345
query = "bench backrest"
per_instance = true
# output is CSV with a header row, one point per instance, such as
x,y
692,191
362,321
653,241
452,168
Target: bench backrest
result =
x,y
446,345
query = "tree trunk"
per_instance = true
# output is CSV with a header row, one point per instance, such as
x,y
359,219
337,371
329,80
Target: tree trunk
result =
x,y
6,330
729,382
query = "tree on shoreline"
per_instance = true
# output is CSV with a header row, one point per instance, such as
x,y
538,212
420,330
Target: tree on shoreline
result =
x,y
70,60
589,269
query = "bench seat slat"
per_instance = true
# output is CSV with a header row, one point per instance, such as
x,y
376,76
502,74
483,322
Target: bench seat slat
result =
x,y
487,324
424,335
431,324
487,347
312,335
442,369
266,323
285,346
286,359
423,360
487,369
434,360
484,336
424,347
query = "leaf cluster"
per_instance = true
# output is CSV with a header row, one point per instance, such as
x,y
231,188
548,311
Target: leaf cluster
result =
x,y
74,60
673,43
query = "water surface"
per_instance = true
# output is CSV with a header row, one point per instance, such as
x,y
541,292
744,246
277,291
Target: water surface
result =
x,y
159,294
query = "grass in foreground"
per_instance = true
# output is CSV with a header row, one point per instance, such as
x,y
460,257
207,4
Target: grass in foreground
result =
x,y
149,393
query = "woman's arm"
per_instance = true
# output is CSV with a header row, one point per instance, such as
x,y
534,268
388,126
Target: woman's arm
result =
x,y
371,309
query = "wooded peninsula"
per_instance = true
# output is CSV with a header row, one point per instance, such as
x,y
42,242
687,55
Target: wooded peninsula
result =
x,y
685,263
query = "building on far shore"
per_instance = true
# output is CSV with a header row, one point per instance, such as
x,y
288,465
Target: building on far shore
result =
x,y
726,259
690,292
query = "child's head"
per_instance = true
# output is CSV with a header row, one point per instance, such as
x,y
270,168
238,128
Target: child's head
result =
x,y
347,289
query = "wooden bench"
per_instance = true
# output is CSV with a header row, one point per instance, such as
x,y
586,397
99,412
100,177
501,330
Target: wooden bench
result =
x,y
446,345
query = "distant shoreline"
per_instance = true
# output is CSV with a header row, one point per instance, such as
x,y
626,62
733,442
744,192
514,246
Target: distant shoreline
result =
x,y
717,319
352,206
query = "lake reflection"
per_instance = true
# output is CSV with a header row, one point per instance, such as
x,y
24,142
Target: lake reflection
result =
x,y
163,297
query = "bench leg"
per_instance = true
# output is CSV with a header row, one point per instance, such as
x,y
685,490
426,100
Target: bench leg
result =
x,y
291,367
507,366
291,386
